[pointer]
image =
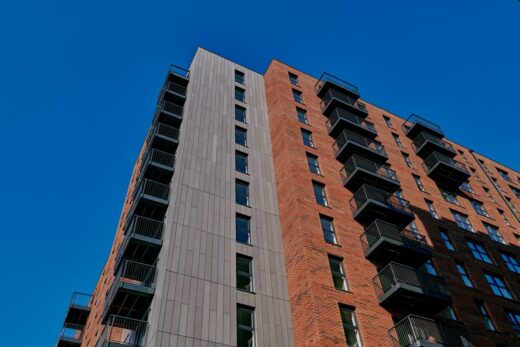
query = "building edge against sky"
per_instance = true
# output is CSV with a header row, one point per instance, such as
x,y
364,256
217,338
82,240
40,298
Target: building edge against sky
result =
x,y
283,210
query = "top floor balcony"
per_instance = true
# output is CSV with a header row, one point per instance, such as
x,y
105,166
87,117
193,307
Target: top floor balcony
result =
x,y
327,81
415,124
178,73
334,98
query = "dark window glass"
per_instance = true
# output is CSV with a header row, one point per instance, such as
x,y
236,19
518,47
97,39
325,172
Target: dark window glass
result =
x,y
302,116
407,160
446,239
239,77
319,193
479,208
388,122
464,275
240,94
241,136
244,273
485,315
494,233
449,196
350,326
240,114
241,162
419,183
511,262
314,167
245,327
242,193
297,96
307,138
430,268
243,229
467,187
294,79
514,319
432,209
397,140
338,273
327,226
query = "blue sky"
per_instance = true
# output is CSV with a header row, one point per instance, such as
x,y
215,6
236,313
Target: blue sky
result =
x,y
79,81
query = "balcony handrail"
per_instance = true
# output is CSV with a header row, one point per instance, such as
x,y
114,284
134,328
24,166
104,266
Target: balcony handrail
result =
x,y
356,162
378,229
153,188
416,119
349,136
159,157
177,70
326,77
366,192
175,87
423,137
332,93
342,114
166,130
435,157
123,330
148,227
80,299
172,108
414,328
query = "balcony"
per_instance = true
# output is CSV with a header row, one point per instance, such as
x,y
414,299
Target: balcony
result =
x,y
334,98
123,332
70,336
158,166
132,290
445,170
415,124
150,199
426,143
143,240
164,138
383,242
415,331
369,204
327,81
340,120
358,171
79,310
170,113
349,142
400,287
175,92
177,73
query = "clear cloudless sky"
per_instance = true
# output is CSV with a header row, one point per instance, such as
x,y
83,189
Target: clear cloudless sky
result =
x,y
79,81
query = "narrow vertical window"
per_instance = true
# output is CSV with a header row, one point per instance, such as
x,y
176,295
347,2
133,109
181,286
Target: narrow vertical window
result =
x,y
407,160
388,122
242,193
504,217
245,326
241,164
446,239
312,161
294,79
350,326
504,174
240,114
430,268
307,138
419,183
241,136
297,96
511,262
449,196
397,140
467,187
319,193
432,209
514,319
338,273
302,116
244,273
464,275
240,94
485,316
239,77
449,313
243,229
327,227
494,233
488,194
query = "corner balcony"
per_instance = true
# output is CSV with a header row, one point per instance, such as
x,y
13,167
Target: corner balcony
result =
x,y
123,332
400,287
383,242
358,171
341,119
334,98
132,290
170,113
164,138
416,331
369,204
150,199
79,309
426,143
143,240
349,143
158,166
445,170
415,124
327,81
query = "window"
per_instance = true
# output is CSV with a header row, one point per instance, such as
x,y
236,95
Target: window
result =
x,y
494,180
401,199
302,116
397,140
327,227
241,162
338,273
319,193
407,160
479,252
510,203
294,79
511,262
494,233
485,315
504,174
517,237
474,172
488,194
307,138
413,227
350,327
467,187
432,209
241,136
242,193
479,208
243,229
430,268
498,286
516,192
463,156
244,273
297,96
449,313
239,77
419,183
504,217
245,326
514,319
462,221
464,275
240,114
312,161
388,122
240,94
446,239
449,196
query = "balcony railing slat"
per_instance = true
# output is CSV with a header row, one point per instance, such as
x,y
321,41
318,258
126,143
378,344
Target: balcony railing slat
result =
x,y
336,94
356,162
413,329
367,192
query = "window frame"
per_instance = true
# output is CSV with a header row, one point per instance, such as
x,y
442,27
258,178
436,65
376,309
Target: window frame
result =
x,y
249,275
341,275
309,142
301,115
498,285
316,165
488,321
247,195
353,325
242,131
328,231
251,329
445,237
464,275
297,96
240,92
479,252
511,261
240,77
293,79
243,111
322,194
245,156
243,219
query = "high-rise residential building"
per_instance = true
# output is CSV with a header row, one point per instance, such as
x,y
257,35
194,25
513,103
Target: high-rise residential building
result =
x,y
283,210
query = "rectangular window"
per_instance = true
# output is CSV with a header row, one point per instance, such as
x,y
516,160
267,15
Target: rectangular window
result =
x,y
297,96
430,268
397,140
413,228
511,262
479,252
338,273
243,229
467,187
294,79
302,116
419,183
516,192
504,217
494,233
350,326
514,319
239,77
449,196
240,94
242,193
432,209
498,286
327,227
241,136
244,273
241,162
388,122
464,275
488,194
319,193
449,313
312,161
245,326
462,221
479,208
240,114
307,138
407,160
485,315
504,174
446,239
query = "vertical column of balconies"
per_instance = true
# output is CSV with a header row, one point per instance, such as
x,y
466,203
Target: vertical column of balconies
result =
x,y
75,320
400,287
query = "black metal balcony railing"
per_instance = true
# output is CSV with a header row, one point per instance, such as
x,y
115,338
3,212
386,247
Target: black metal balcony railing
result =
x,y
380,229
146,227
328,78
423,138
366,193
340,114
436,157
166,131
179,71
79,309
121,331
332,94
153,189
414,124
357,162
158,157
367,143
171,108
71,335
176,88
416,331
